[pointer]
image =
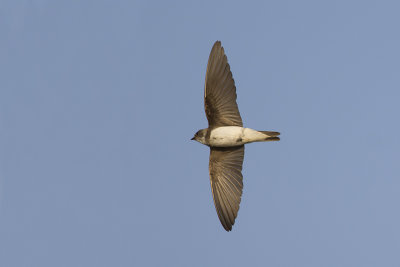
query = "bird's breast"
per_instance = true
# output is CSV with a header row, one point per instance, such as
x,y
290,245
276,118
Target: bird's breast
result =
x,y
226,136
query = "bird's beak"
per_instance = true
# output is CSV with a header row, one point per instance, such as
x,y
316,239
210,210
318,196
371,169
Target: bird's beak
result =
x,y
192,138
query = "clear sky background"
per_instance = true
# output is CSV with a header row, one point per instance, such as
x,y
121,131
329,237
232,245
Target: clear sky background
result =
x,y
99,100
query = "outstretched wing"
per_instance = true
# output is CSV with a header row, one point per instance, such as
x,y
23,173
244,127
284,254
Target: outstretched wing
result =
x,y
226,182
220,91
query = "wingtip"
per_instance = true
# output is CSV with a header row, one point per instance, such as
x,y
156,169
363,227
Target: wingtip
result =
x,y
217,44
227,228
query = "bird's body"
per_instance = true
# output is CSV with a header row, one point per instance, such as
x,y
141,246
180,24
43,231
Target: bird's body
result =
x,y
231,136
226,137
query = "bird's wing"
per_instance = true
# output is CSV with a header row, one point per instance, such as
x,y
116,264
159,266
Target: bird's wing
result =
x,y
220,91
226,182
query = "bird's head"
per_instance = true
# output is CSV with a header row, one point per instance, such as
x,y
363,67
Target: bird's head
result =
x,y
200,136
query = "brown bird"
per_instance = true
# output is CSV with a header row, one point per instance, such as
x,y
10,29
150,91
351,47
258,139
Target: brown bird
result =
x,y
225,136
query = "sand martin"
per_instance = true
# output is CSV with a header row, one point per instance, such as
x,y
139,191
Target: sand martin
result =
x,y
225,136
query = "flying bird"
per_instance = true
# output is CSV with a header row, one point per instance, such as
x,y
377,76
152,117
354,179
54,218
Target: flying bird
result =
x,y
225,136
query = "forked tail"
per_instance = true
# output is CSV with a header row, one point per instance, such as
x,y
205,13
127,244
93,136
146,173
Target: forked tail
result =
x,y
270,136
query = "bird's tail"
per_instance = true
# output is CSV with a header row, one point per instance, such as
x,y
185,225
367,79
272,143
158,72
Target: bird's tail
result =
x,y
270,136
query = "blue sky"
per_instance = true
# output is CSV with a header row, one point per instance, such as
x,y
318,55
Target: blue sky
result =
x,y
99,100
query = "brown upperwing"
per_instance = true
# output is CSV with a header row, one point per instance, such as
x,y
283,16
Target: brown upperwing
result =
x,y
220,91
226,182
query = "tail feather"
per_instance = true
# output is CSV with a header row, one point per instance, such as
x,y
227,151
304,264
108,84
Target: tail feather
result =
x,y
269,133
271,136
272,139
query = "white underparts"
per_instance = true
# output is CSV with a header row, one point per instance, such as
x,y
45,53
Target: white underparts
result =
x,y
228,136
